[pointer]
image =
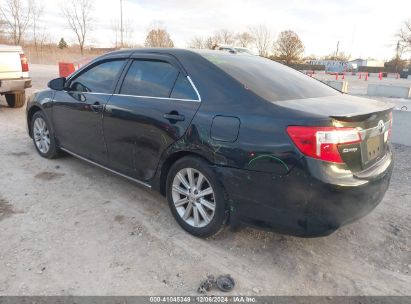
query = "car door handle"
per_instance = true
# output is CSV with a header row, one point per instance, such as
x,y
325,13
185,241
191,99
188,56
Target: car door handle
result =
x,y
174,117
97,106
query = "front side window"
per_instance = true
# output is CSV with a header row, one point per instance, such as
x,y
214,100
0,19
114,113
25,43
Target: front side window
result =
x,y
99,79
149,78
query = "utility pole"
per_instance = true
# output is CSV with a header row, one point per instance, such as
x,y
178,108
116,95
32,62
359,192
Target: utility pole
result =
x,y
121,23
397,56
336,53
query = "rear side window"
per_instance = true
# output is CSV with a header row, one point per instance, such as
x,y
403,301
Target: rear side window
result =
x,y
149,78
269,79
183,89
100,78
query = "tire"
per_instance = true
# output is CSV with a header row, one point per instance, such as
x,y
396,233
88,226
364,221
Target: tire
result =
x,y
16,100
43,134
214,204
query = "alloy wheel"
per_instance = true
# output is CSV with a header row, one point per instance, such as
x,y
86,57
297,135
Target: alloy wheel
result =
x,y
193,197
41,135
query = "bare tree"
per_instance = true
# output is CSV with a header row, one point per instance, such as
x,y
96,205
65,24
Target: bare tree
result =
x,y
263,38
224,36
405,35
396,63
340,57
244,39
289,47
44,37
36,14
158,36
115,27
16,15
128,33
210,43
78,16
310,57
197,42
2,30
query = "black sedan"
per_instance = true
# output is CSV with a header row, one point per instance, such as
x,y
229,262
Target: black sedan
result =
x,y
225,137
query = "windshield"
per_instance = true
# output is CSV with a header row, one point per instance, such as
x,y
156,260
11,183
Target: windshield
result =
x,y
269,79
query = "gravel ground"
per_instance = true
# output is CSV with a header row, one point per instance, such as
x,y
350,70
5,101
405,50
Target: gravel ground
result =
x,y
68,228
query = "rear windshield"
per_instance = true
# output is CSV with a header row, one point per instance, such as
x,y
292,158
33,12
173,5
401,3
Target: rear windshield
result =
x,y
269,79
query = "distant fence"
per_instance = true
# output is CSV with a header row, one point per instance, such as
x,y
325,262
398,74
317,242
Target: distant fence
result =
x,y
371,69
307,67
376,69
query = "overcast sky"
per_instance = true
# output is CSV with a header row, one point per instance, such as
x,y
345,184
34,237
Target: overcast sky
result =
x,y
364,28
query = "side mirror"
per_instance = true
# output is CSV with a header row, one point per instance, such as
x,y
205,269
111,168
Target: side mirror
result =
x,y
57,84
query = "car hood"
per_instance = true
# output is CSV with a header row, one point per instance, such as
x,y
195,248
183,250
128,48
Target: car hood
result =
x,y
342,105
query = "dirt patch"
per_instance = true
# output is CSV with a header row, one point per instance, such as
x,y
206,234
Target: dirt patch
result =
x,y
19,153
48,176
119,218
6,209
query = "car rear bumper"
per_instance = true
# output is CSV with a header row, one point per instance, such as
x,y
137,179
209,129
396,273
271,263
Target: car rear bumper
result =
x,y
300,204
12,85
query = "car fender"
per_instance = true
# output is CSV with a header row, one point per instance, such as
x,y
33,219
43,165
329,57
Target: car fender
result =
x,y
40,100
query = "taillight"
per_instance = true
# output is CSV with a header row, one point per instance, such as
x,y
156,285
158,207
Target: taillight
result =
x,y
24,63
322,142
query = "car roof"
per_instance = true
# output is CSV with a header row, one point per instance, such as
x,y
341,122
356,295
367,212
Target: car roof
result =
x,y
171,51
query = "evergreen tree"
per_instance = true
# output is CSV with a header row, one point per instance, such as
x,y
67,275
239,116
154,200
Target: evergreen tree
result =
x,y
62,44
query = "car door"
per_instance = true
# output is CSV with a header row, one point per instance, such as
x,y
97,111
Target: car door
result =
x,y
77,111
153,106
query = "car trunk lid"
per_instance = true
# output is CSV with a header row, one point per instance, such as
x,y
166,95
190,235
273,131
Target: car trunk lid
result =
x,y
372,119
